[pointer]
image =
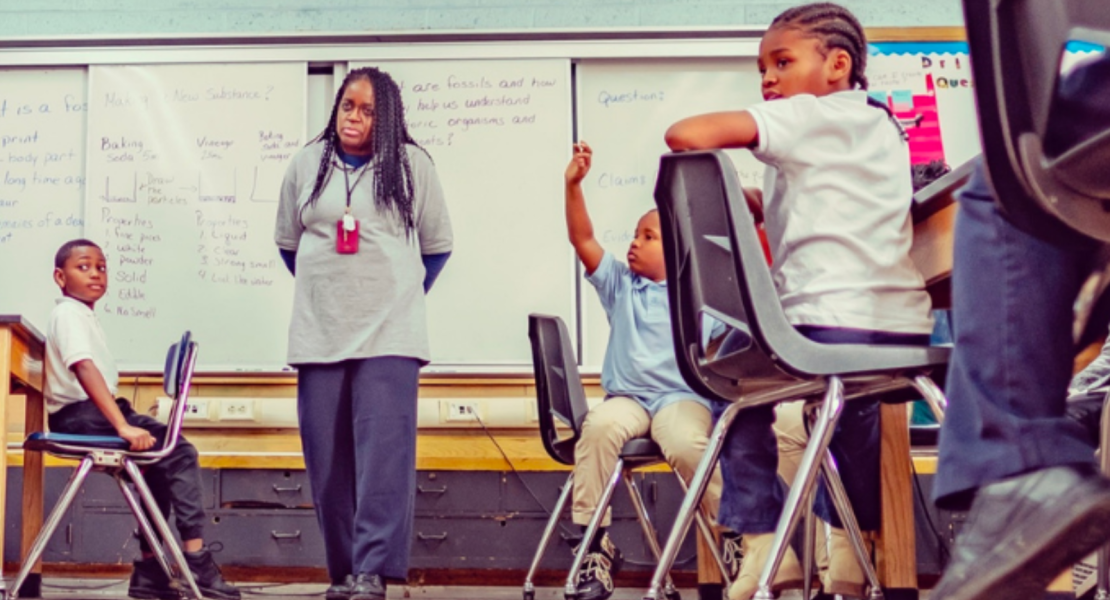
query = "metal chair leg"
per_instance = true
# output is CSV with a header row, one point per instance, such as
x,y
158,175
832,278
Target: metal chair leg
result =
x,y
548,532
803,485
1102,565
570,590
701,517
68,494
691,501
163,527
933,395
808,547
144,525
851,526
645,524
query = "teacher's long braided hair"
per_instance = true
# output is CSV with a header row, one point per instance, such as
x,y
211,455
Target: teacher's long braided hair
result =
x,y
393,188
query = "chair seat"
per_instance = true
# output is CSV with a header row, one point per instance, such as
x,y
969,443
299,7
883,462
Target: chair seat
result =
x,y
69,444
641,451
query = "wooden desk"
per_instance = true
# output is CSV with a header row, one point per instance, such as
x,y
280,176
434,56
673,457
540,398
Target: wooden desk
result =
x,y
934,216
22,349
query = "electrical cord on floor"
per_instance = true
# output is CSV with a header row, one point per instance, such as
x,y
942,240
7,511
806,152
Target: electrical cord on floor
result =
x,y
942,544
520,478
678,559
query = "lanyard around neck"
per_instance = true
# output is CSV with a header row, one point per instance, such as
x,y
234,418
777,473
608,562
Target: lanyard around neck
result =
x,y
347,182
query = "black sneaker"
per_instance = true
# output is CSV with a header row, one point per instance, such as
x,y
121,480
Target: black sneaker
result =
x,y
732,554
209,579
368,587
150,582
595,579
342,590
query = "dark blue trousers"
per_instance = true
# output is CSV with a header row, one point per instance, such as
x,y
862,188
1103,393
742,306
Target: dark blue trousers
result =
x,y
358,429
752,496
1012,299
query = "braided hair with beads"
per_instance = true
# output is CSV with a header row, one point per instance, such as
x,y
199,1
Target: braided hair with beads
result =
x,y
392,171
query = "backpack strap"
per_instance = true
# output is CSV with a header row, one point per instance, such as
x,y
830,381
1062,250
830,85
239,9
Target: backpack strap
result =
x,y
890,114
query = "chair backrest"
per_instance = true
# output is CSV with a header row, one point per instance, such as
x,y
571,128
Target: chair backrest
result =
x,y
559,392
177,379
1046,133
703,286
699,195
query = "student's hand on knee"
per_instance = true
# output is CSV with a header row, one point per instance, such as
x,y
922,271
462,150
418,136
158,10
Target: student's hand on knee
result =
x,y
140,439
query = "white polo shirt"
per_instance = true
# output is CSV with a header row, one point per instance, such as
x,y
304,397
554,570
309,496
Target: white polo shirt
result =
x,y
836,200
74,335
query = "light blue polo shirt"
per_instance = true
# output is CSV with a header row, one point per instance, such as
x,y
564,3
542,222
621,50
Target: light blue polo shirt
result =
x,y
640,361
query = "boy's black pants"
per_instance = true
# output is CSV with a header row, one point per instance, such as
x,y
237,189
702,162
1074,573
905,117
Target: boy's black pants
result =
x,y
174,481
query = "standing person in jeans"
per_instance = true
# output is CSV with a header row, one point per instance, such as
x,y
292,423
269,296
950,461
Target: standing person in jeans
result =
x,y
1008,450
363,226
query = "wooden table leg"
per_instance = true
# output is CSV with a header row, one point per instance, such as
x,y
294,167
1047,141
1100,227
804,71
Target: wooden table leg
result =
x,y
709,574
896,545
34,480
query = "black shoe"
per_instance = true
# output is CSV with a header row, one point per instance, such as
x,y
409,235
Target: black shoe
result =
x,y
150,582
595,579
1024,531
341,591
732,554
368,587
208,577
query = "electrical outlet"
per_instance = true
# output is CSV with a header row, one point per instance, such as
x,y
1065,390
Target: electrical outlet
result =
x,y
461,411
196,410
237,409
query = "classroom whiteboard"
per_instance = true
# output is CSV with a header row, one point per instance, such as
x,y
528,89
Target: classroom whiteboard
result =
x,y
42,182
184,166
499,132
503,183
624,107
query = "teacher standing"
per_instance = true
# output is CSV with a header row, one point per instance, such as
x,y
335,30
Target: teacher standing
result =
x,y
363,227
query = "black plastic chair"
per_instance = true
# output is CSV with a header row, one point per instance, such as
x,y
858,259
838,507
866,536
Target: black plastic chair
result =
x,y
560,396
1047,183
717,274
112,455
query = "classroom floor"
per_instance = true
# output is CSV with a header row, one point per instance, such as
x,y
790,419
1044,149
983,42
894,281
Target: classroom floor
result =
x,y
99,589
55,588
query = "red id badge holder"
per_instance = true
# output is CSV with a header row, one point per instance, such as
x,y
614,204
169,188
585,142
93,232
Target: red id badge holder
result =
x,y
346,235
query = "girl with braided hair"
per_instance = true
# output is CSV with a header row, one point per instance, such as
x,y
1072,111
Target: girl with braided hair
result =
x,y
836,204
363,226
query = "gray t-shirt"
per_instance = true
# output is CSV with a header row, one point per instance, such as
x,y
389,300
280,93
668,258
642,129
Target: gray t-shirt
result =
x,y
367,304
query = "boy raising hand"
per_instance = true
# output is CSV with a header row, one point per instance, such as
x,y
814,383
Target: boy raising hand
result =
x,y
645,394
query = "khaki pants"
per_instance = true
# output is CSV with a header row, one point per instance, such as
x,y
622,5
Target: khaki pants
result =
x,y
790,433
681,430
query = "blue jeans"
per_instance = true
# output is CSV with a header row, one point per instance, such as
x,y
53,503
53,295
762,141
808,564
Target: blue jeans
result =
x,y
752,496
1012,297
